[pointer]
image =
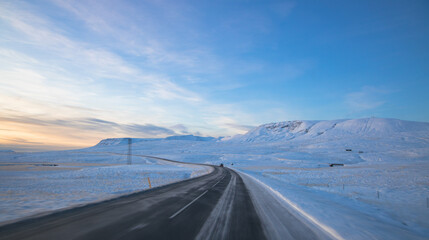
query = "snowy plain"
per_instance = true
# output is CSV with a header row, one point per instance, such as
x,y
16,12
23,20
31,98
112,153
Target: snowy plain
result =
x,y
36,183
381,192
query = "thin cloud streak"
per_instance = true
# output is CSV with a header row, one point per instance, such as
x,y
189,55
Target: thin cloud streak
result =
x,y
86,70
94,124
124,24
102,63
367,98
61,76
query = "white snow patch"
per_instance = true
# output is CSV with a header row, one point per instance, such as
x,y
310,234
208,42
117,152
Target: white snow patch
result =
x,y
331,232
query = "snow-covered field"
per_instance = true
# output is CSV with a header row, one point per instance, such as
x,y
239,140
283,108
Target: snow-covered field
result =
x,y
381,192
40,182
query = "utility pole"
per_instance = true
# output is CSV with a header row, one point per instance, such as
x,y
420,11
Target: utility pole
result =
x,y
129,151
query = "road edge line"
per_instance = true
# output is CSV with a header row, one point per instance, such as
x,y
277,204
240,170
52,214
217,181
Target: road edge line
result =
x,y
330,231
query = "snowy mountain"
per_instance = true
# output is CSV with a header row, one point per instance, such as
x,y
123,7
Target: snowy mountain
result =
x,y
301,130
335,129
190,138
122,141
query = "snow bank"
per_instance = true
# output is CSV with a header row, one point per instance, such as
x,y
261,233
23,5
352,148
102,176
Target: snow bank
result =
x,y
347,215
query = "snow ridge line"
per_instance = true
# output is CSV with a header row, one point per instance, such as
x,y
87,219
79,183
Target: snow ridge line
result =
x,y
312,219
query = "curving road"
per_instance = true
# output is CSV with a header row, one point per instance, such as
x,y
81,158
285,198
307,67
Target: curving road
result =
x,y
220,205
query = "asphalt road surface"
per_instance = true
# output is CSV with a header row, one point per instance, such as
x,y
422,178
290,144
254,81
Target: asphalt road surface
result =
x,y
215,206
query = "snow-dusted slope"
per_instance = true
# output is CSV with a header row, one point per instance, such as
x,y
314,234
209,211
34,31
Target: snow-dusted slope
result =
x,y
122,141
190,138
335,129
112,142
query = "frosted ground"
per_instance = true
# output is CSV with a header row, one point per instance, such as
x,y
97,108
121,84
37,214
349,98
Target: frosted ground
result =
x,y
381,192
37,183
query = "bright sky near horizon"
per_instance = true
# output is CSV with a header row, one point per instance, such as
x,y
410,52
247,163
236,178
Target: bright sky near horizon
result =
x,y
74,72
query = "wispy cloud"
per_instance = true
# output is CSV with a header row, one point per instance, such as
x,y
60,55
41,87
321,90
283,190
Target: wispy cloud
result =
x,y
94,124
21,141
62,85
367,98
240,127
136,32
32,133
90,60
180,128
113,68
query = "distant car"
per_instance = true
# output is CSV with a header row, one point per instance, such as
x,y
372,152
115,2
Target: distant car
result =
x,y
221,165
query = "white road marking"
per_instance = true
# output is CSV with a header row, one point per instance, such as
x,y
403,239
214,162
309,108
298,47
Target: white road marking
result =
x,y
218,182
187,205
139,226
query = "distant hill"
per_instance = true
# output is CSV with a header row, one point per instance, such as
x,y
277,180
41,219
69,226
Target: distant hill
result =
x,y
320,131
121,141
190,138
7,151
335,129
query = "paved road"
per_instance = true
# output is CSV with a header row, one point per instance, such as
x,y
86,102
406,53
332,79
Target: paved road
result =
x,y
214,206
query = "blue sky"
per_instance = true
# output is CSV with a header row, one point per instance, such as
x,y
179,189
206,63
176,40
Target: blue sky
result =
x,y
73,72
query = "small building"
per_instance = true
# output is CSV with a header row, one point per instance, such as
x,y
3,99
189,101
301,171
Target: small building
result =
x,y
336,165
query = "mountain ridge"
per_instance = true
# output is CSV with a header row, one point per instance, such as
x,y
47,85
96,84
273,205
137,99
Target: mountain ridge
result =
x,y
122,141
306,130
342,128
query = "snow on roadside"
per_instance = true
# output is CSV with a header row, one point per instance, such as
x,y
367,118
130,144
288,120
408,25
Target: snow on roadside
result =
x,y
381,192
384,180
346,219
31,188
